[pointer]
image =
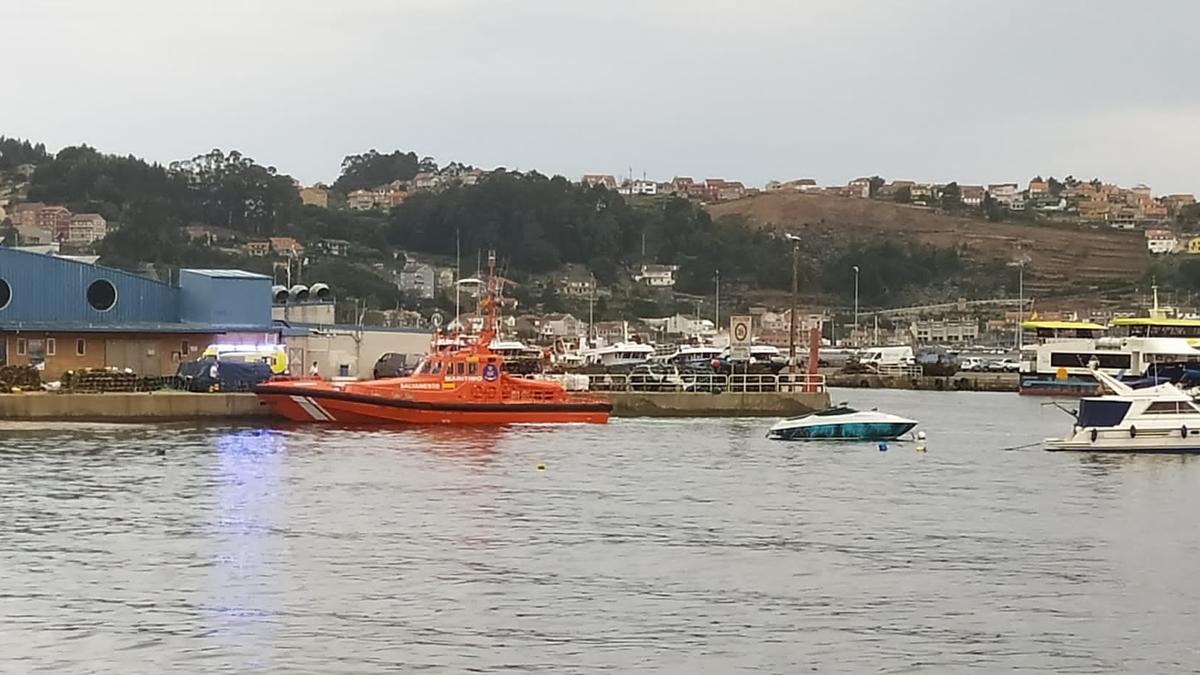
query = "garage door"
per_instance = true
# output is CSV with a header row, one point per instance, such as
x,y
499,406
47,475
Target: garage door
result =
x,y
140,356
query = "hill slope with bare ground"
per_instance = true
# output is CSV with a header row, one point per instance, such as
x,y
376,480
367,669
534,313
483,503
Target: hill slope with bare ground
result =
x,y
1064,259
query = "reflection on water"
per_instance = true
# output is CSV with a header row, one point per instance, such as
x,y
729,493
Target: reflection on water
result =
x,y
646,545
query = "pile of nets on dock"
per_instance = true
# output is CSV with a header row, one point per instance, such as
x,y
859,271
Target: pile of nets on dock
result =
x,y
20,378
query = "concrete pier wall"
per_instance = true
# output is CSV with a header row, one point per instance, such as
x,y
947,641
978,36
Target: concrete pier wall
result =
x,y
725,404
164,406
959,382
170,406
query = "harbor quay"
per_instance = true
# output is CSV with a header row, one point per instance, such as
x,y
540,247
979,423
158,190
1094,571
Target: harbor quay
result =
x,y
189,406
962,381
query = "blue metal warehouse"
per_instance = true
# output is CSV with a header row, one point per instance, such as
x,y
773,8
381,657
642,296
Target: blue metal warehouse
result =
x,y
67,314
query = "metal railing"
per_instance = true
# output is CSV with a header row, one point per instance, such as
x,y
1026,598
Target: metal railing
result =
x,y
898,371
702,383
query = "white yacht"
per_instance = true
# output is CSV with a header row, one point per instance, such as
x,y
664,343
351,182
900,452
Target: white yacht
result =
x,y
1162,418
622,354
694,355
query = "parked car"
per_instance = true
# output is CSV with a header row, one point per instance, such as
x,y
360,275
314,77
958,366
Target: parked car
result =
x,y
1003,366
972,364
654,377
393,365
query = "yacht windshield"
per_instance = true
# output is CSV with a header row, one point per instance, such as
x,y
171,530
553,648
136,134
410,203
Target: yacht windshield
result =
x,y
1101,413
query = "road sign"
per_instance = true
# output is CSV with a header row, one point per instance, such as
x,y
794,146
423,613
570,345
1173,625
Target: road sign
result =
x,y
739,337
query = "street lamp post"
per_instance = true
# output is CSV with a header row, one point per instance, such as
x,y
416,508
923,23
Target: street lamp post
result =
x,y
795,286
591,310
856,304
1020,263
717,302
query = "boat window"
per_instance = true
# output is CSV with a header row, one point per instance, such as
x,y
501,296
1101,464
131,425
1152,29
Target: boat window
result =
x,y
1162,408
437,368
473,368
1080,360
1185,331
461,368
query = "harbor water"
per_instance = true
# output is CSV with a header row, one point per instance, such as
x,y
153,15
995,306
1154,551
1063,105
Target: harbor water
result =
x,y
647,545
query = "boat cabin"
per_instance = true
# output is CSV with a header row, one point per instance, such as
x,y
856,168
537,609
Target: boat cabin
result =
x,y
1042,332
1144,327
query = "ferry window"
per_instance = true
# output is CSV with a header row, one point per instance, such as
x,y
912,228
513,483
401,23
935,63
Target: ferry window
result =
x,y
1162,408
1081,360
437,368
461,368
1175,331
473,369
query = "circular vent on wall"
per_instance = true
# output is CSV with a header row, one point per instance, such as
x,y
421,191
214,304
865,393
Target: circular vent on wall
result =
x,y
102,295
5,294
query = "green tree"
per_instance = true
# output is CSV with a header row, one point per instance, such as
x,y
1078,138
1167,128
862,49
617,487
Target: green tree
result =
x,y
14,152
1190,214
876,185
952,197
371,169
993,210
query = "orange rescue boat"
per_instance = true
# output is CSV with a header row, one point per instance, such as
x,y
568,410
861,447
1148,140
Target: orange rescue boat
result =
x,y
461,385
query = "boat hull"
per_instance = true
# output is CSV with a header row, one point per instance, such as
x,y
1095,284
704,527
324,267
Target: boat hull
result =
x,y
846,431
328,406
1072,387
1146,440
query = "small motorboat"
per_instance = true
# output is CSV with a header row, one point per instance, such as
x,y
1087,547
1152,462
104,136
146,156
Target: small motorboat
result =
x,y
842,423
1162,418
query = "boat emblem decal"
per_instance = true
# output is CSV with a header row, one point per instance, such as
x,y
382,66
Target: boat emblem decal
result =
x,y
490,372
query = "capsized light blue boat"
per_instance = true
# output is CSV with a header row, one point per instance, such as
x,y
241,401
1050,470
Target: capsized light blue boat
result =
x,y
842,423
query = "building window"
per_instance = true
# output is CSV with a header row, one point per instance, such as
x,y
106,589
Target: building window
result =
x,y
5,294
80,347
20,346
51,346
102,295
185,348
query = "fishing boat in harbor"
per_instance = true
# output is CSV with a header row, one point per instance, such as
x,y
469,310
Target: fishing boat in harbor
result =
x,y
1160,418
458,382
842,423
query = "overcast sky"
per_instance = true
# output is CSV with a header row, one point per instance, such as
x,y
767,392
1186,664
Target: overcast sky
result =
x,y
752,90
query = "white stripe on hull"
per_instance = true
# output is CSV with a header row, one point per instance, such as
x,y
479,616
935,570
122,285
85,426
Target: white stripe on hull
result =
x,y
313,409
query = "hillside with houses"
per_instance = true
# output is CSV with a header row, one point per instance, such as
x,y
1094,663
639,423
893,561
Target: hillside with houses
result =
x,y
396,231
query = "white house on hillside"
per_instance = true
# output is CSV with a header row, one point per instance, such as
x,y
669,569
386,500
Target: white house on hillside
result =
x,y
659,276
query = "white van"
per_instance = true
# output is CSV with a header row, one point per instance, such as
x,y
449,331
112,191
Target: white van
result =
x,y
881,358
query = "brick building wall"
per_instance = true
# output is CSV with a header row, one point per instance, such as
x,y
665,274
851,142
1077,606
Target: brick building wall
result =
x,y
147,354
